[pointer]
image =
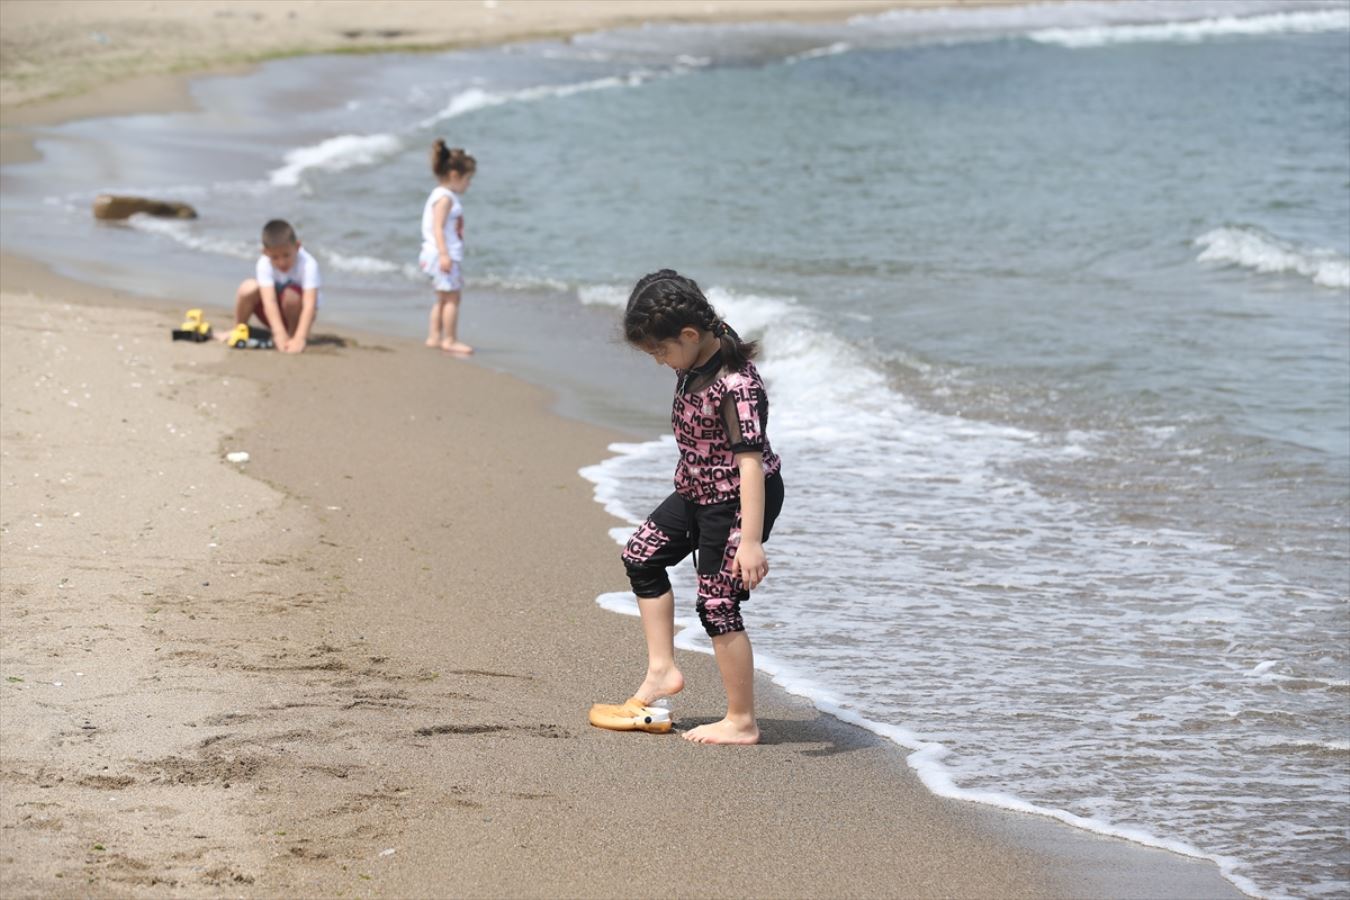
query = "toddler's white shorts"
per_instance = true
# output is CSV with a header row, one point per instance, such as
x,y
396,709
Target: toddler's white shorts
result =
x,y
429,263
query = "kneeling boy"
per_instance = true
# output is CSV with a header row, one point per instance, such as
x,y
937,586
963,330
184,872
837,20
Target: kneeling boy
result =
x,y
285,294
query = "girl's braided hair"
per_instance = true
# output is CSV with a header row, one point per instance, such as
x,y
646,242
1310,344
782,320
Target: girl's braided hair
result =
x,y
665,302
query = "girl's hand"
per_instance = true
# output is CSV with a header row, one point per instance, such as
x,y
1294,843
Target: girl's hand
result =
x,y
750,565
446,263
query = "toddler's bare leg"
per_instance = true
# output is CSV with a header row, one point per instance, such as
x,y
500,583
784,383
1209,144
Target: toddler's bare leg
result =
x,y
736,661
434,323
658,627
449,305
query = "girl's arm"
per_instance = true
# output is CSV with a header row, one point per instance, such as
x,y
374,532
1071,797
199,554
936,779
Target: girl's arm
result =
x,y
441,212
750,564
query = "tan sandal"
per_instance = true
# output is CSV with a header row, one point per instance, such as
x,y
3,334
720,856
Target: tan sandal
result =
x,y
631,715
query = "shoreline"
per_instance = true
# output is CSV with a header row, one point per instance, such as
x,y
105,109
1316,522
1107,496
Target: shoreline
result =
x,y
284,474
383,710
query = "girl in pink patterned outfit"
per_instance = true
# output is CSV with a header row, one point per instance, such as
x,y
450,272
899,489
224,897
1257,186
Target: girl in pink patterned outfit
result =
x,y
728,492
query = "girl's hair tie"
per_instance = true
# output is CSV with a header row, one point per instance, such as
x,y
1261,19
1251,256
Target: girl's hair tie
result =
x,y
720,329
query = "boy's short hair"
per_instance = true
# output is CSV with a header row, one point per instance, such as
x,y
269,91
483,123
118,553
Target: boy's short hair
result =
x,y
278,233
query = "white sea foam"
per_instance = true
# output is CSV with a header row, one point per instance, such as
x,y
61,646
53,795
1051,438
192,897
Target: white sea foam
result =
x,y
1333,746
603,295
334,155
189,235
1303,22
1252,248
520,282
476,98
465,102
355,263
834,49
982,22
1103,24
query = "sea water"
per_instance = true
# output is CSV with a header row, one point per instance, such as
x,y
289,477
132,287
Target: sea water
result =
x,y
1054,305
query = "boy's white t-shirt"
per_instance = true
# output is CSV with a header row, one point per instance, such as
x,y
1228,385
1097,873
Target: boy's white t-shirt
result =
x,y
304,273
454,244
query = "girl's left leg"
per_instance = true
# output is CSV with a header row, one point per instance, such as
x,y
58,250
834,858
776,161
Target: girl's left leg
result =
x,y
720,595
736,662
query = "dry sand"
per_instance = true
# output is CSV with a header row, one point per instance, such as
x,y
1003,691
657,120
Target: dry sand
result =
x,y
359,664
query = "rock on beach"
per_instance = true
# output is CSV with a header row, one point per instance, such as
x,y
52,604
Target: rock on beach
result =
x,y
117,206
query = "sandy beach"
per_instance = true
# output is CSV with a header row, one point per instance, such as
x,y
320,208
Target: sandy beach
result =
x,y
334,670
358,664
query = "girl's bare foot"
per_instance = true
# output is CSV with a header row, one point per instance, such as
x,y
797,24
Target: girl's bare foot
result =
x,y
459,348
660,684
434,340
724,732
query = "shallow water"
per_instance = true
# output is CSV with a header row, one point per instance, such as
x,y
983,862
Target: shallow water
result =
x,y
1055,305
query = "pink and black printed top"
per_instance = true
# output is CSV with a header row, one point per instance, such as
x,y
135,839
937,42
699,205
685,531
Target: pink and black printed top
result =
x,y
717,414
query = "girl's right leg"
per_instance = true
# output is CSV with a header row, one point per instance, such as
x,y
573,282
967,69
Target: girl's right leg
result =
x,y
449,306
661,541
658,627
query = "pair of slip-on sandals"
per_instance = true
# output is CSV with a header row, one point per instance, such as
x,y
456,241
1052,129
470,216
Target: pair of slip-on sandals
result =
x,y
631,715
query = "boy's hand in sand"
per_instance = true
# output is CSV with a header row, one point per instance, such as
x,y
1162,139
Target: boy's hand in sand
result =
x,y
296,345
750,565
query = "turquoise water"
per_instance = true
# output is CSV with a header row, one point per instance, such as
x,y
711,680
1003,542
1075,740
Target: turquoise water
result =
x,y
1055,305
